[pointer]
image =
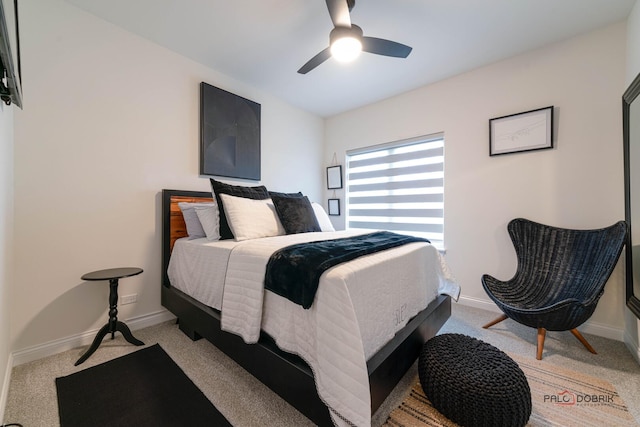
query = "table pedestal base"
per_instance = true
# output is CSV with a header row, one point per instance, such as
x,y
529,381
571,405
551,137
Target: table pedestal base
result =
x,y
119,327
113,326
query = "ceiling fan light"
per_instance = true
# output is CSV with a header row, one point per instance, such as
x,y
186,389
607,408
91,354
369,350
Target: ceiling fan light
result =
x,y
346,49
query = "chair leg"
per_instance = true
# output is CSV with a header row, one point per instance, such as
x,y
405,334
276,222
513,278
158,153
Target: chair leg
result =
x,y
582,339
542,332
493,322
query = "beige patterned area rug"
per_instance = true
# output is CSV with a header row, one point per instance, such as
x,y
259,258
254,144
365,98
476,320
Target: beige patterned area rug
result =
x,y
560,397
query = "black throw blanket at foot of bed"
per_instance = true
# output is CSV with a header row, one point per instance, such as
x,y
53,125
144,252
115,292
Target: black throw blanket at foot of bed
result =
x,y
144,388
294,272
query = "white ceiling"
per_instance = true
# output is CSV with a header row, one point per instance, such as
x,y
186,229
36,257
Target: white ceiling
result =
x,y
264,42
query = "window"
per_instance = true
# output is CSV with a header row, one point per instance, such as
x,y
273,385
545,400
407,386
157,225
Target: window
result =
x,y
398,187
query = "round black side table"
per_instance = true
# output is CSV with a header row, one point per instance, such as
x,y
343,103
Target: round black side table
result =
x,y
114,325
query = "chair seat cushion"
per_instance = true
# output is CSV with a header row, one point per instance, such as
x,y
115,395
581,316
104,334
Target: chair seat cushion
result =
x,y
473,383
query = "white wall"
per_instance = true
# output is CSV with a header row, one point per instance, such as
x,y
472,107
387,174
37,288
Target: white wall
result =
x,y
109,120
577,184
632,324
6,242
633,43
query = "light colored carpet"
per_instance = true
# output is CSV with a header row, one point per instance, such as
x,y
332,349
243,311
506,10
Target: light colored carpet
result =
x,y
246,402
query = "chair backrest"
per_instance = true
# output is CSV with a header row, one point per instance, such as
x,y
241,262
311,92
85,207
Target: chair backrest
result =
x,y
568,263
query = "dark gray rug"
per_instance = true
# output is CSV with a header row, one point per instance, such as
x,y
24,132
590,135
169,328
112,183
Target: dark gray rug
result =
x,y
144,388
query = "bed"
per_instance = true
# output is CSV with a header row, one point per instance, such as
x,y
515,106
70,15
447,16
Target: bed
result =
x,y
286,373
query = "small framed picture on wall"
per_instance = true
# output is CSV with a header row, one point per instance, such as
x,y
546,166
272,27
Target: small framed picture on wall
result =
x,y
334,207
334,177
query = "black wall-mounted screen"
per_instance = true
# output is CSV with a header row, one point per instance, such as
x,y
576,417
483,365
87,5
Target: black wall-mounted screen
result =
x,y
10,83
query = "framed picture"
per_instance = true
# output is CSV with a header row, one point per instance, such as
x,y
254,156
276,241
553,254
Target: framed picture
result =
x,y
528,131
334,207
334,177
229,134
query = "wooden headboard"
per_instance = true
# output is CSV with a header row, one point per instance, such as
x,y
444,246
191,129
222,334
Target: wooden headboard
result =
x,y
173,226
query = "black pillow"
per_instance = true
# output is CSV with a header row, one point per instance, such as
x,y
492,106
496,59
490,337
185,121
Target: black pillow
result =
x,y
256,193
296,214
295,195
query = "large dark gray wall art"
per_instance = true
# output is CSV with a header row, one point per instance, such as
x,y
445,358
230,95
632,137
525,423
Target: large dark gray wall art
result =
x,y
229,134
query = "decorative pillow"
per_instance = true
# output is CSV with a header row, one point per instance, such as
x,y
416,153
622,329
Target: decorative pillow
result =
x,y
321,216
251,219
255,193
275,193
194,228
296,214
210,221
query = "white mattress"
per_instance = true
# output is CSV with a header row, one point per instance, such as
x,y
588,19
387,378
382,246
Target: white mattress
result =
x,y
359,306
198,268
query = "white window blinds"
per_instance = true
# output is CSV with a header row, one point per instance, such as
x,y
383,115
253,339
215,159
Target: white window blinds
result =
x,y
398,187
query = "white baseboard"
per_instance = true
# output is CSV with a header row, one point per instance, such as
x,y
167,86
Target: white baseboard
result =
x,y
632,345
589,327
63,344
479,303
602,330
5,386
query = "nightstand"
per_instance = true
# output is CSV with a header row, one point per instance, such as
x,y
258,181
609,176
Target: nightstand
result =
x,y
114,325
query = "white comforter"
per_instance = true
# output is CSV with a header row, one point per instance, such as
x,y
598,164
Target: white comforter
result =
x,y
331,335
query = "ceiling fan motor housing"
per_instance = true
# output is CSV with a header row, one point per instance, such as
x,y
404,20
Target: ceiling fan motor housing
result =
x,y
340,32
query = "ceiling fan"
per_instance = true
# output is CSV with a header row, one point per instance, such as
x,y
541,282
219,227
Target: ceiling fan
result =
x,y
346,39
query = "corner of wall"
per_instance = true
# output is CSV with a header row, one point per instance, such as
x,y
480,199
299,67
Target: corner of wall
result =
x,y
4,392
6,248
632,335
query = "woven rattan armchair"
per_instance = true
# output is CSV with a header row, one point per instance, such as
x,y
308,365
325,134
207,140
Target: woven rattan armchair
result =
x,y
560,276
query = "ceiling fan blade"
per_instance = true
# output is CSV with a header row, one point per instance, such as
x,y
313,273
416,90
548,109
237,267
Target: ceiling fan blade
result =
x,y
385,47
315,61
339,11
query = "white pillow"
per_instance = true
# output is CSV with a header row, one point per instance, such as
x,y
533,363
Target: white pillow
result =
x,y
251,219
209,217
323,219
194,228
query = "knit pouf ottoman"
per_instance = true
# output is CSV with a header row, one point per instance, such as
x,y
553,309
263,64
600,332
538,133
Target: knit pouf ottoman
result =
x,y
473,383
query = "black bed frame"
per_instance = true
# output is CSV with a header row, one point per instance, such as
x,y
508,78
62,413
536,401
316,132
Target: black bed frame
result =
x,y
285,373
